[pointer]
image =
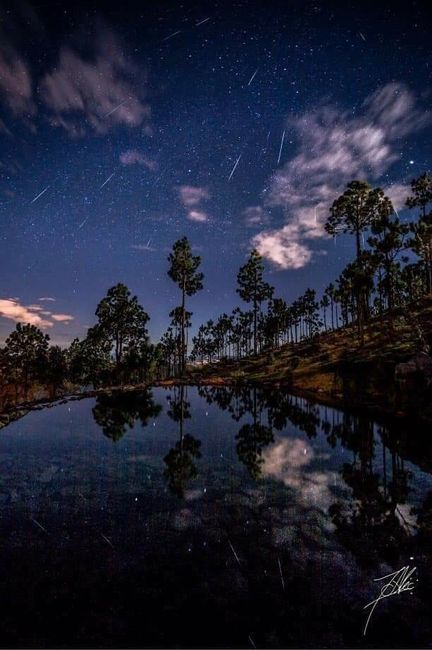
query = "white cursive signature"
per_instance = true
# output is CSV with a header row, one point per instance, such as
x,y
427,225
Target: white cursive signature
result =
x,y
398,582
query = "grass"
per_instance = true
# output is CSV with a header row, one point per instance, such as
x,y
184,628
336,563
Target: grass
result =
x,y
334,363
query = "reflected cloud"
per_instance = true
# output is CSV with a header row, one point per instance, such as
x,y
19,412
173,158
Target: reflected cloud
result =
x,y
287,461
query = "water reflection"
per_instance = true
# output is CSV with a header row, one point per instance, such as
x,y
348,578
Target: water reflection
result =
x,y
179,461
373,523
236,513
117,412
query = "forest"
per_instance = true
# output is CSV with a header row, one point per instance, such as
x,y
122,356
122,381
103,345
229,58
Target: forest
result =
x,y
391,271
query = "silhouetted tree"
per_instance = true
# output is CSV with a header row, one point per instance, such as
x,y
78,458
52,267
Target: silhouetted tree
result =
x,y
184,272
56,368
26,349
121,323
421,241
354,212
252,288
387,241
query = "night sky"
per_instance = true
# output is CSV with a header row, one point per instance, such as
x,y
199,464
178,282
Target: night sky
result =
x,y
124,127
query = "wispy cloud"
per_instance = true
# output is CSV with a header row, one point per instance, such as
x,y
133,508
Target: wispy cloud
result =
x,y
398,193
62,318
98,91
34,314
333,148
16,87
255,216
14,310
47,299
192,195
134,157
198,216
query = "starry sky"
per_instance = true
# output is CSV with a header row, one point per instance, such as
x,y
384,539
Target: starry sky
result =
x,y
125,126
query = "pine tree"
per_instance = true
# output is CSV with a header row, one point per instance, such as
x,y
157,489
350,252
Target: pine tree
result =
x,y
387,241
421,242
184,272
253,289
26,349
354,212
121,322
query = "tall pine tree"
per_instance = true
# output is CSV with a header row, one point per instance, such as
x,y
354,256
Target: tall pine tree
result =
x,y
252,288
184,272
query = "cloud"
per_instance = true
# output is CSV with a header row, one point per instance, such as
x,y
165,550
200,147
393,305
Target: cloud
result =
x,y
47,299
283,248
254,216
398,193
13,310
134,157
191,195
333,148
290,460
16,87
62,318
197,215
97,91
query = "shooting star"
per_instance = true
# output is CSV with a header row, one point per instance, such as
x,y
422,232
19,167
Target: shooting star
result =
x,y
234,168
171,35
40,526
253,77
147,247
235,554
83,223
144,247
362,36
202,22
281,147
107,540
39,195
114,109
107,180
281,574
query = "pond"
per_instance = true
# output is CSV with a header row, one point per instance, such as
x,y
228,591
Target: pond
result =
x,y
212,517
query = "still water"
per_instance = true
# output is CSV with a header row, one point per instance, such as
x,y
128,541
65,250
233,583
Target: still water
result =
x,y
212,517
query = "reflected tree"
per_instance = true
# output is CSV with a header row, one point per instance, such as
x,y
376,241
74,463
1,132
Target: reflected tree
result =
x,y
118,412
254,437
180,460
370,523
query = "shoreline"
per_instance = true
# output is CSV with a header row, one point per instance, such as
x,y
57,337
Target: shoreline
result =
x,y
356,407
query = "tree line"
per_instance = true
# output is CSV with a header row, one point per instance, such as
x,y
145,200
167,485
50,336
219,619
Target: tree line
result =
x,y
115,351
392,268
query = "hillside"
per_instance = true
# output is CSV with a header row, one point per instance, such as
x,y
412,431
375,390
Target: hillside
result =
x,y
335,368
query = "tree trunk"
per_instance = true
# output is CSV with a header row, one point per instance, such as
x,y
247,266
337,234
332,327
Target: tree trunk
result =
x,y
183,361
255,325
